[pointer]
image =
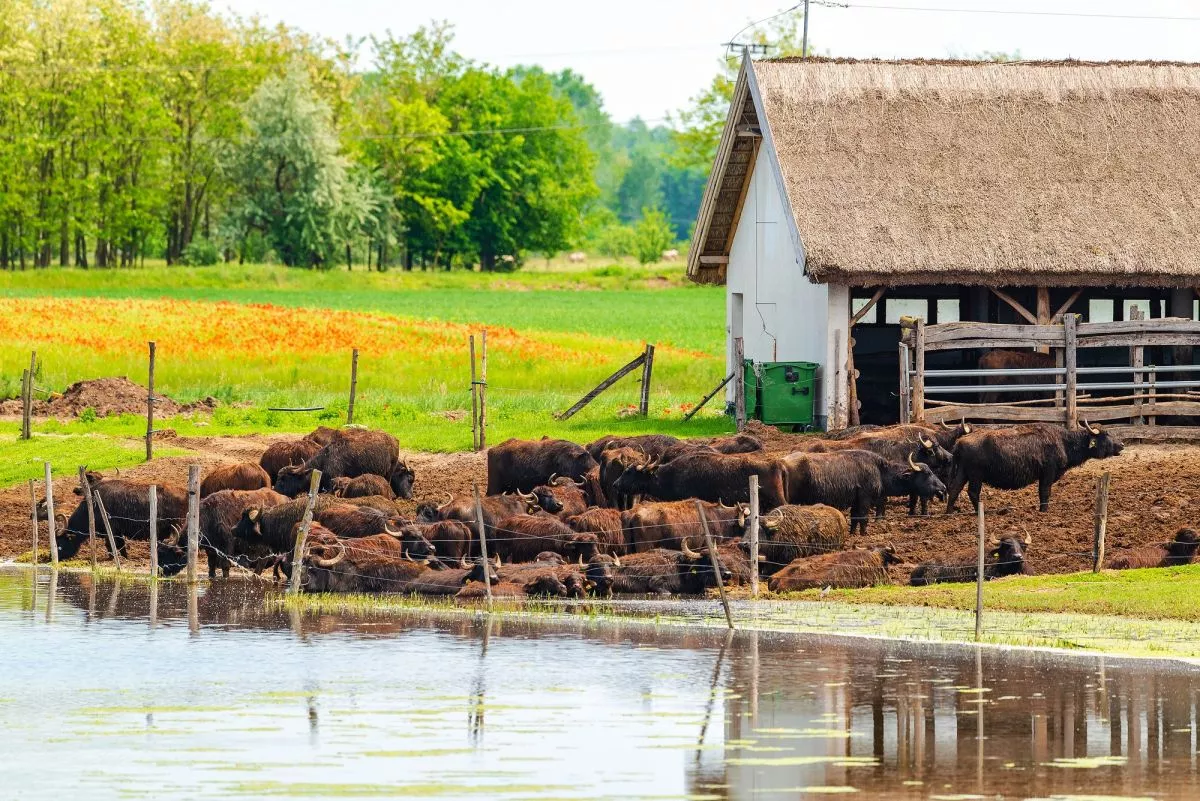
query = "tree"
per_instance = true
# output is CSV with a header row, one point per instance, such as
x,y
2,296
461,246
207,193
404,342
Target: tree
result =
x,y
651,236
291,180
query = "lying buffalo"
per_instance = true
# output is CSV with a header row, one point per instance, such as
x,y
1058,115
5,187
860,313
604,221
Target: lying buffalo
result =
x,y
450,582
715,477
243,476
1012,458
1003,558
362,486
518,465
666,524
351,453
794,532
520,538
666,572
368,564
650,446
842,570
1181,550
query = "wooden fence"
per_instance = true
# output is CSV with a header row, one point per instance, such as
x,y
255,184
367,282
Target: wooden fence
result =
x,y
1068,399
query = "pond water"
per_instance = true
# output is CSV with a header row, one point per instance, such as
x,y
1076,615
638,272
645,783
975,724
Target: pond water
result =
x,y
109,692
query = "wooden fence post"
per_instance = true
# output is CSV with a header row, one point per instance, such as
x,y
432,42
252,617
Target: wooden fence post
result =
x,y
27,408
33,512
474,398
314,484
483,554
150,407
483,390
51,524
981,525
851,382
193,522
647,370
601,387
918,394
905,391
1101,521
739,382
712,557
1137,359
112,541
353,385
86,490
707,398
26,402
754,525
153,532
1070,343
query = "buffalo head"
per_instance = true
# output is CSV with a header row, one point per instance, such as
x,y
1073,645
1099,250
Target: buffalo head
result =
x,y
636,480
1101,444
543,497
924,481
292,480
402,480
475,571
599,575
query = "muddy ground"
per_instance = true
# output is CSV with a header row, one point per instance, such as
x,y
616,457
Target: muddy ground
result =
x,y
1155,490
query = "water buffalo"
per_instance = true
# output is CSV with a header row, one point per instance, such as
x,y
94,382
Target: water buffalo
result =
x,y
666,572
450,582
556,579
271,528
451,539
842,570
666,524
1012,458
613,462
915,481
1181,550
599,574
520,465
651,446
322,435
279,455
795,532
378,563
495,508
243,476
362,486
351,453
219,516
379,503
128,505
848,479
605,524
1008,360
520,538
1004,558
568,496
716,477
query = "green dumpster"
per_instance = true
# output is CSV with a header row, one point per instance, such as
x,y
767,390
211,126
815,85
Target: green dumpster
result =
x,y
785,393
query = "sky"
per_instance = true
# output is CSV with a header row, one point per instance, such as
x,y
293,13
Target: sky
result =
x,y
648,57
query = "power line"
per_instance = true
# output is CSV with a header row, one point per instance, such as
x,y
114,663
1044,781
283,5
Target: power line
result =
x,y
1010,11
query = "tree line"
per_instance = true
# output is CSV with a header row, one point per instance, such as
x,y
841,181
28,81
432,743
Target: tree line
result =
x,y
168,131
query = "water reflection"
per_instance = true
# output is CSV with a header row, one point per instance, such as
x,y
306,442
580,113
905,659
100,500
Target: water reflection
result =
x,y
134,688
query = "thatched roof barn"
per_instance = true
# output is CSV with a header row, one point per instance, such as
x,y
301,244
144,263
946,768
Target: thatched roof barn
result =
x,y
993,192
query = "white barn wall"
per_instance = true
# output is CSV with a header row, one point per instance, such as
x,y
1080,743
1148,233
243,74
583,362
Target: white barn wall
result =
x,y
784,315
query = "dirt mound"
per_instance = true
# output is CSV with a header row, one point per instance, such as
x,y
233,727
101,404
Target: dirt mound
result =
x,y
105,396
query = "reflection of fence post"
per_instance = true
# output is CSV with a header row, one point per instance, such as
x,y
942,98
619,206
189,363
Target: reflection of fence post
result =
x,y
754,525
739,382
982,526
150,408
51,524
474,398
112,541
33,512
314,483
712,557
1070,343
483,390
353,385
153,531
918,387
647,370
193,522
483,554
1101,521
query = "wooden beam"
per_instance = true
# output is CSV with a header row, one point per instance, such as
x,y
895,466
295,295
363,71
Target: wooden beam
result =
x,y
745,190
603,385
714,260
858,315
1017,307
1063,309
1043,305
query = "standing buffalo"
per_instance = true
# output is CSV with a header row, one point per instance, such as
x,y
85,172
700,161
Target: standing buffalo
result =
x,y
219,516
351,453
716,477
1179,551
1016,457
288,453
842,570
841,479
243,476
613,462
128,505
1004,558
518,465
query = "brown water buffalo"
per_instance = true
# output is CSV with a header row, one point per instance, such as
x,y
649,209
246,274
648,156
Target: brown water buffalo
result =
x,y
736,443
716,477
563,580
1004,558
666,524
1008,360
271,528
601,569
605,524
243,476
518,465
1012,458
279,455
451,539
351,453
362,486
451,581
520,538
1181,550
377,502
614,462
795,532
568,496
651,446
220,513
845,479
128,505
495,508
842,570
322,435
667,572
378,563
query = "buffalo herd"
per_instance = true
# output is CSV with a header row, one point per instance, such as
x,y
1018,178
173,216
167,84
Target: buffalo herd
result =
x,y
621,515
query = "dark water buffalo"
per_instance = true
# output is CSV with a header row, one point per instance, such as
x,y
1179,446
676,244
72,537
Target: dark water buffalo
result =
x,y
377,563
613,462
667,572
914,481
322,435
736,443
716,477
555,579
846,479
220,513
1181,550
362,486
450,582
1012,458
495,508
451,539
1003,558
243,476
601,569
520,465
1008,360
665,524
271,528
521,538
651,446
352,453
842,570
128,505
279,455
568,495
605,524
795,532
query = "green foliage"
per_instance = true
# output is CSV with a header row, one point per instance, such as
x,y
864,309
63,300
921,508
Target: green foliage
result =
x,y
88,415
200,253
652,235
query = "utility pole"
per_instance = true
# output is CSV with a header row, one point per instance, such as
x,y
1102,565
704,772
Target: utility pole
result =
x,y
804,41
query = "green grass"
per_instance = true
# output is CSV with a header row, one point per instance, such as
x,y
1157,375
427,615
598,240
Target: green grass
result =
x,y
21,460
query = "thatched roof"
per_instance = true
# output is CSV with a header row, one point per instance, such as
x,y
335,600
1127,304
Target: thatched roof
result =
x,y
899,173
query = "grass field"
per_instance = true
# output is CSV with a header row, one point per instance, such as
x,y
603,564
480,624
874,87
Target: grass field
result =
x,y
257,337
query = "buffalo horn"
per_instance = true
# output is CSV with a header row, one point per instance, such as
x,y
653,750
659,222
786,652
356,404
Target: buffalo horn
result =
x,y
497,560
463,564
392,532
527,496
927,444
721,502
688,552
449,500
581,558
947,425
911,463
966,428
580,483
553,480
616,561
328,563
